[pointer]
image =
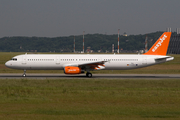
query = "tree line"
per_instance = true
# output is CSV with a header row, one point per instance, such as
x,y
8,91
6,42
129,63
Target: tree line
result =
x,y
94,42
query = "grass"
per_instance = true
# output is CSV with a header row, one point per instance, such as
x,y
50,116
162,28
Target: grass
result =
x,y
87,99
90,99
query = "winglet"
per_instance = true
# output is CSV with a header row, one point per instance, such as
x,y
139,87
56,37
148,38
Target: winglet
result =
x,y
160,46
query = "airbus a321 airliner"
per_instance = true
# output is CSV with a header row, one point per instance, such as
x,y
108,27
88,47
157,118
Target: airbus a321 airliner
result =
x,y
78,63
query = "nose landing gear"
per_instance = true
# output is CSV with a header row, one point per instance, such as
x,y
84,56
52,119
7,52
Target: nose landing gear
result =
x,y
24,75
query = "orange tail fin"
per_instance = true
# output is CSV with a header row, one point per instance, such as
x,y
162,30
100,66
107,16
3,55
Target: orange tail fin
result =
x,y
161,45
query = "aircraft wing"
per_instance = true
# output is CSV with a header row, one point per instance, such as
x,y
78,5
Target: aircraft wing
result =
x,y
97,65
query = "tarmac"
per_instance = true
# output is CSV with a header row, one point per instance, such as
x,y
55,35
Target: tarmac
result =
x,y
83,76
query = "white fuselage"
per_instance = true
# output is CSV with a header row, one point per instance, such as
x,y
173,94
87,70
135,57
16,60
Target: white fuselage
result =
x,y
59,61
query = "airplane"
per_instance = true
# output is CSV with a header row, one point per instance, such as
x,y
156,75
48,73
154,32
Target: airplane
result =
x,y
81,63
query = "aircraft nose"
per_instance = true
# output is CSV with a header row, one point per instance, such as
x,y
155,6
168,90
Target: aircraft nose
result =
x,y
7,64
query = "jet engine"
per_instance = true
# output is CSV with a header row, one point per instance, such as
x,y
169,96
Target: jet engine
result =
x,y
72,70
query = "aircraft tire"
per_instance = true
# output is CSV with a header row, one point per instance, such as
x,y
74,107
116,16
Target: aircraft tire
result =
x,y
24,75
89,75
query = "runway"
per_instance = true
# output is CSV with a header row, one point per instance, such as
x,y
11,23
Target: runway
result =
x,y
96,76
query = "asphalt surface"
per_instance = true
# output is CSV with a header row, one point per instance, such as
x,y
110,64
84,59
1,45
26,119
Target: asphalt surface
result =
x,y
82,76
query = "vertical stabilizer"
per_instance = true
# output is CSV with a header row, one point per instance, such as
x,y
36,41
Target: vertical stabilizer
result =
x,y
160,46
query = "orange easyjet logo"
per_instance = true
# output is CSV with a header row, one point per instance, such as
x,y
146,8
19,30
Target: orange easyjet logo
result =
x,y
159,43
71,70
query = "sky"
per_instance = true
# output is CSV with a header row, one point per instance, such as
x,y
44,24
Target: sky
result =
x,y
55,18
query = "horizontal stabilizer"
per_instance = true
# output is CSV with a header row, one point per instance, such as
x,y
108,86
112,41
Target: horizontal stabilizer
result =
x,y
164,59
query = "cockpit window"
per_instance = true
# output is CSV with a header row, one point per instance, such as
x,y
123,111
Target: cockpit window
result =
x,y
14,59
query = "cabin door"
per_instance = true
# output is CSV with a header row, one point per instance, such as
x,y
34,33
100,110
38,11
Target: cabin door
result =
x,y
144,60
57,60
24,59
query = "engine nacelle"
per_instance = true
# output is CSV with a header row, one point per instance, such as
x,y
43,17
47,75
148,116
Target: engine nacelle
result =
x,y
72,70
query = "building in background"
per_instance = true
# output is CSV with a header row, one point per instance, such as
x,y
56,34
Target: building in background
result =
x,y
174,45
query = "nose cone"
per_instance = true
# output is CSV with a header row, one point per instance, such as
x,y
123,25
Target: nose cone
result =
x,y
7,64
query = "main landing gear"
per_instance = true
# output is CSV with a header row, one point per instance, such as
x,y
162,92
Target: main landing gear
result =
x,y
24,75
88,74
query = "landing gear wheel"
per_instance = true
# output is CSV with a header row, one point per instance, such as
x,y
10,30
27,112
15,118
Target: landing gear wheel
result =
x,y
88,74
24,75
